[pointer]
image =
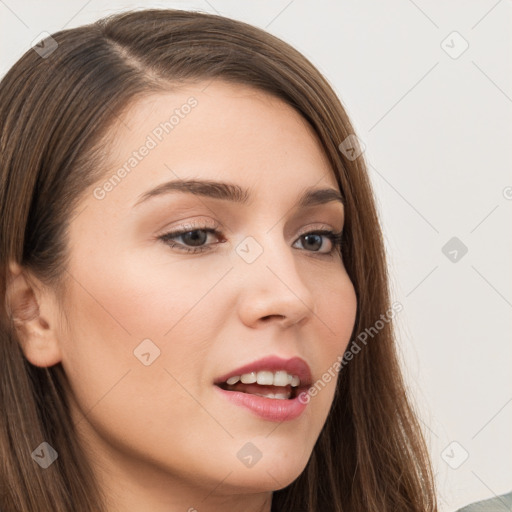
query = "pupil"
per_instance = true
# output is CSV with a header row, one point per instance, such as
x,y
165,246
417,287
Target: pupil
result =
x,y
317,237
196,240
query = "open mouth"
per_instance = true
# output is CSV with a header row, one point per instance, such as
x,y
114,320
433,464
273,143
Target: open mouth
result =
x,y
287,392
279,384
270,388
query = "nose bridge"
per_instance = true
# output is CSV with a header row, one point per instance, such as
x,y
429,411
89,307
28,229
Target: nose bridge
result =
x,y
270,280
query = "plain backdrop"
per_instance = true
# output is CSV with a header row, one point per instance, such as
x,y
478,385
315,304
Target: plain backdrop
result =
x,y
428,86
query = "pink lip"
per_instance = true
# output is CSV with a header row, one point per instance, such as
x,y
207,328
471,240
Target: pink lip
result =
x,y
271,409
294,366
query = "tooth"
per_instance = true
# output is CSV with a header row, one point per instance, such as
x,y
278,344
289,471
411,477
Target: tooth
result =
x,y
265,378
248,378
268,395
281,378
278,396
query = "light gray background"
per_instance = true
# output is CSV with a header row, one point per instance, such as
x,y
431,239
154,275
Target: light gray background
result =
x,y
437,129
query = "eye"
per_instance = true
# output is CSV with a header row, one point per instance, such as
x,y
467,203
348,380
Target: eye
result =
x,y
194,239
314,239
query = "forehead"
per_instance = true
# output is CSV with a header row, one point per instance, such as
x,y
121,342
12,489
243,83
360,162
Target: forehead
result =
x,y
216,130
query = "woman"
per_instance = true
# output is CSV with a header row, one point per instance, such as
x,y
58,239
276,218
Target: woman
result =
x,y
169,339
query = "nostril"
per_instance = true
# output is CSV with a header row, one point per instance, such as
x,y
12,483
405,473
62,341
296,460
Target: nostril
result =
x,y
271,316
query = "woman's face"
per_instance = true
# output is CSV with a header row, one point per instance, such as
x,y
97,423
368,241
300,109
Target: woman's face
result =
x,y
152,328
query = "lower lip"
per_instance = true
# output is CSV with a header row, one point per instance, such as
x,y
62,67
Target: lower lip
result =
x,y
271,409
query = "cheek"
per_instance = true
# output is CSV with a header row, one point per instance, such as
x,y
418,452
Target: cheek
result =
x,y
337,307
335,318
134,315
130,404
137,300
157,299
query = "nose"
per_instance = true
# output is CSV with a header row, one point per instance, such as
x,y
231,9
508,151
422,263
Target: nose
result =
x,y
273,287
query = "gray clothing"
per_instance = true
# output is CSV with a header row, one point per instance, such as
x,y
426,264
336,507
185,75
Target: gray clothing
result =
x,y
502,503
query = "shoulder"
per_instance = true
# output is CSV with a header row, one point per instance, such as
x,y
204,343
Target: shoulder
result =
x,y
501,503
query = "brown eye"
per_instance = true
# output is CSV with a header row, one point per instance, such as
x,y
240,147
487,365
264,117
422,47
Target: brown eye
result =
x,y
193,239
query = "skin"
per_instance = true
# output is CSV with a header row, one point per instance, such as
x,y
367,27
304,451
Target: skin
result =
x,y
158,436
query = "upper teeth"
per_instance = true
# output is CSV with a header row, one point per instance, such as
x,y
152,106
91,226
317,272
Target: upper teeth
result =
x,y
266,378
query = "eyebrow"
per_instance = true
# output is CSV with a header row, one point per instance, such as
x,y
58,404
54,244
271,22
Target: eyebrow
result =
x,y
235,193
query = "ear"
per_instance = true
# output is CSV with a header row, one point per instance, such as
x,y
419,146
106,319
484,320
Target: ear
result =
x,y
35,317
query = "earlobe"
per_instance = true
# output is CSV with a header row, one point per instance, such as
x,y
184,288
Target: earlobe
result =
x,y
31,312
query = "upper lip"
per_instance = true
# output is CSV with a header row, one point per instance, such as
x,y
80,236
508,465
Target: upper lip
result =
x,y
294,366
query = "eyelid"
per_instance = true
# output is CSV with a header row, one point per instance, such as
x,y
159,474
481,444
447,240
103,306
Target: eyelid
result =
x,y
192,225
211,224
321,226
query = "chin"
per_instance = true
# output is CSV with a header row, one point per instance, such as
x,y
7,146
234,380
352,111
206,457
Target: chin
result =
x,y
261,481
271,474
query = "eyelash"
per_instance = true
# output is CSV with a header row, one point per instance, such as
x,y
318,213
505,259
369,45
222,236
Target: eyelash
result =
x,y
335,238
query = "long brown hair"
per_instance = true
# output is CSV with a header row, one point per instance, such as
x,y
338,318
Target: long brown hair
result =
x,y
55,112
